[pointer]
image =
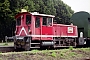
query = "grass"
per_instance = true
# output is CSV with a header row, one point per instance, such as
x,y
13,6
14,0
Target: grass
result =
x,y
61,54
53,54
71,48
68,54
35,51
7,44
88,49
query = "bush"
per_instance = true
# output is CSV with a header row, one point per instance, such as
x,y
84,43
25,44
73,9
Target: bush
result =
x,y
35,51
71,48
53,54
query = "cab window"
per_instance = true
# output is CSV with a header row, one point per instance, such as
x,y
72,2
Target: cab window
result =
x,y
37,23
49,21
18,21
44,21
28,19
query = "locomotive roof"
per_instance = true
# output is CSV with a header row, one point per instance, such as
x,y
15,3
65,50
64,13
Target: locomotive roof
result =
x,y
34,13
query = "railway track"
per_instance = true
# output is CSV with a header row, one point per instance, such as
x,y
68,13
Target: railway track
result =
x,y
6,48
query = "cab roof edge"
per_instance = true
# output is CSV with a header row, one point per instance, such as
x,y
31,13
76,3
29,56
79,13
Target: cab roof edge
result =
x,y
37,13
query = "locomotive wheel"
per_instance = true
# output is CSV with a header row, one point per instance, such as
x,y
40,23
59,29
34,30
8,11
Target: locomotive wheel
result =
x,y
15,48
27,48
27,45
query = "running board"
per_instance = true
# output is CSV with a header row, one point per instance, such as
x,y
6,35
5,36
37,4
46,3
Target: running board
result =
x,y
64,46
35,43
34,47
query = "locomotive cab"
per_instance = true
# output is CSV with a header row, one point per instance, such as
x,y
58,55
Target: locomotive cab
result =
x,y
22,21
33,27
23,29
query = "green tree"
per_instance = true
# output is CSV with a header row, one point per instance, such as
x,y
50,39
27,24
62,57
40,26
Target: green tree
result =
x,y
49,7
63,12
5,18
39,6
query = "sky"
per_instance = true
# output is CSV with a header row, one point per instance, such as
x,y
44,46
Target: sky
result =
x,y
78,5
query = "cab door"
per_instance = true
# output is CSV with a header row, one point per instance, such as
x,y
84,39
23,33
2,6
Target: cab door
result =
x,y
46,29
37,28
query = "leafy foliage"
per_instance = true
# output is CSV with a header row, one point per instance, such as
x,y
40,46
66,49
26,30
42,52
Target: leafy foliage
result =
x,y
5,18
63,12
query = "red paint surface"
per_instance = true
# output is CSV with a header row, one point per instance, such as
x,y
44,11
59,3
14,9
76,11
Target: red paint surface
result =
x,y
62,30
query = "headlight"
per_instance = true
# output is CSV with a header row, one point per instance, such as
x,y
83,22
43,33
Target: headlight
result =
x,y
22,43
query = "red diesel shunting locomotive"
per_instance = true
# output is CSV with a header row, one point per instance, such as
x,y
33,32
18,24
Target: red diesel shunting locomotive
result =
x,y
34,30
